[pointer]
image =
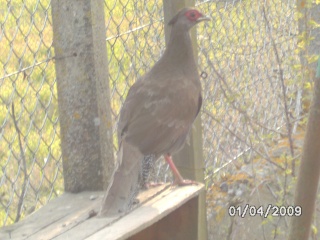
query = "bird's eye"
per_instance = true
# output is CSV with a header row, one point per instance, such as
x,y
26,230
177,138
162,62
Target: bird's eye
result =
x,y
192,15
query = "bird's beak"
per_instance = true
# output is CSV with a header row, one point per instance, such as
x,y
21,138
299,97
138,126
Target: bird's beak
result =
x,y
203,18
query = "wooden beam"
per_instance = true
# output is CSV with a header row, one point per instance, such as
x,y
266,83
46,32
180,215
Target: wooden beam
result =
x,y
309,172
50,220
72,216
148,214
180,224
83,93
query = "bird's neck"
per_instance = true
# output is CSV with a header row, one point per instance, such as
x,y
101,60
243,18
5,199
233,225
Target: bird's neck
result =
x,y
179,49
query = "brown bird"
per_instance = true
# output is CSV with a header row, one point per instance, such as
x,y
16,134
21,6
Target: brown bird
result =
x,y
157,114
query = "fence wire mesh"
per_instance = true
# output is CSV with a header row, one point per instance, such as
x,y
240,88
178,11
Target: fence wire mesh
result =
x,y
246,54
30,154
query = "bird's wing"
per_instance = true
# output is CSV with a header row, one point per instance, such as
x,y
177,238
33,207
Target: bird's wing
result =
x,y
157,116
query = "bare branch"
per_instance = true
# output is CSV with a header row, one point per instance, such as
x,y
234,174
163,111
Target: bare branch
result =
x,y
24,166
283,87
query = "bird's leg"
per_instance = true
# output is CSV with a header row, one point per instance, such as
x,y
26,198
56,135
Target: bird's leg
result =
x,y
177,176
147,166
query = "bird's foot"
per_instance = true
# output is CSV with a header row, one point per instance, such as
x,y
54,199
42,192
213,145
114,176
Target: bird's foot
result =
x,y
178,178
184,182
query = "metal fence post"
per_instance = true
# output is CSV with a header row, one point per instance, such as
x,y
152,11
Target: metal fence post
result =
x,y
190,160
83,93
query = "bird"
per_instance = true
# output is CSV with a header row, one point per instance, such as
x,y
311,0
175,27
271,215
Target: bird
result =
x,y
157,115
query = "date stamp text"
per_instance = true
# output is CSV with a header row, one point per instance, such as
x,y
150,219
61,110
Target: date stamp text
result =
x,y
265,211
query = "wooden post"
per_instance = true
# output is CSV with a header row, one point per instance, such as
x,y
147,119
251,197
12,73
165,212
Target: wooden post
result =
x,y
309,174
83,93
190,160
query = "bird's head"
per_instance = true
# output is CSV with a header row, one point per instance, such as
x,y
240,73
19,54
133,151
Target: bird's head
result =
x,y
187,18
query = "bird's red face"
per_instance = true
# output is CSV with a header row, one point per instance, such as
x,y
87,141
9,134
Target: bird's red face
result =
x,y
193,15
188,17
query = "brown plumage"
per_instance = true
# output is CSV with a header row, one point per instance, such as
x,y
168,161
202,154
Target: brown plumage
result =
x,y
157,114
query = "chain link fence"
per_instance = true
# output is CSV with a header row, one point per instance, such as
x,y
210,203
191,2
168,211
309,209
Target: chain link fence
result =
x,y
250,86
30,156
252,90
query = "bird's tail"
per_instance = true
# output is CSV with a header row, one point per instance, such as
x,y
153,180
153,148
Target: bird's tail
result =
x,y
123,186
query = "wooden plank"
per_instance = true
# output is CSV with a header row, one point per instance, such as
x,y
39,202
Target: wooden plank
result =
x,y
85,229
148,214
68,217
181,224
73,219
93,225
54,211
